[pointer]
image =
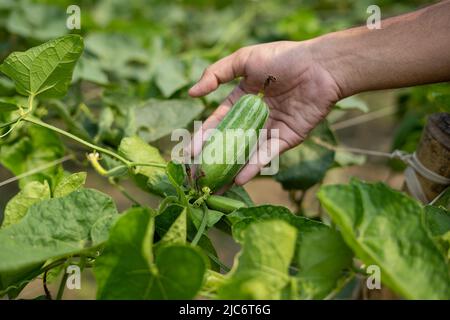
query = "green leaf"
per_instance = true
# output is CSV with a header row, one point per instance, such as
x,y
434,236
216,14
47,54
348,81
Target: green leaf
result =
x,y
323,260
37,149
120,54
437,219
207,246
384,227
212,218
45,70
322,255
89,69
176,173
69,184
6,86
170,77
105,123
6,106
175,280
197,67
129,253
17,207
261,271
239,193
305,165
158,118
220,94
177,232
247,216
52,229
155,179
165,219
37,21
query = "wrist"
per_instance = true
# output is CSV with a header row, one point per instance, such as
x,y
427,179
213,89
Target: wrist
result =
x,y
330,54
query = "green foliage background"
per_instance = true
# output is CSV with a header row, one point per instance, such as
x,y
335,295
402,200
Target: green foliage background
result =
x,y
129,89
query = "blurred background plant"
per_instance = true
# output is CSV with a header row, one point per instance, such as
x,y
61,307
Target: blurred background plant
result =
x,y
141,56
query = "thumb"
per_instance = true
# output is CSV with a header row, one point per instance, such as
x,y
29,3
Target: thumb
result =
x,y
222,71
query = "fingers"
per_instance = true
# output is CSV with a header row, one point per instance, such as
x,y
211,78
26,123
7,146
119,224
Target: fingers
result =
x,y
218,73
267,151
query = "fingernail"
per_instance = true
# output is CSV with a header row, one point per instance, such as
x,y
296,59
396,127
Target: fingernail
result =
x,y
194,87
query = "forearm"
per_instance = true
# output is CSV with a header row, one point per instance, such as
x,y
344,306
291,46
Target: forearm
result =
x,y
408,50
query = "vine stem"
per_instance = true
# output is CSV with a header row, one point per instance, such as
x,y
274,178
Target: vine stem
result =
x,y
91,145
44,282
146,164
79,140
38,169
62,285
124,192
202,226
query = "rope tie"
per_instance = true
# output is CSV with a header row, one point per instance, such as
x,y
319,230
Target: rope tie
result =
x,y
410,159
416,167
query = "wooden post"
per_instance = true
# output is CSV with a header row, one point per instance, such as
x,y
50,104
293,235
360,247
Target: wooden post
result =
x,y
434,152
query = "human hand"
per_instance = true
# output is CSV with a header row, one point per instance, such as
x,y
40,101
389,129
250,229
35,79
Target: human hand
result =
x,y
301,96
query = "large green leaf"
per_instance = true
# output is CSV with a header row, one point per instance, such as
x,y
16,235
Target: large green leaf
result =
x,y
65,226
127,269
305,165
261,269
38,148
158,118
323,260
155,179
45,70
53,229
322,256
17,207
384,227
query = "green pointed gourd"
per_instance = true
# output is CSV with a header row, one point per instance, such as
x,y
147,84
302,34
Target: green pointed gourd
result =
x,y
228,149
